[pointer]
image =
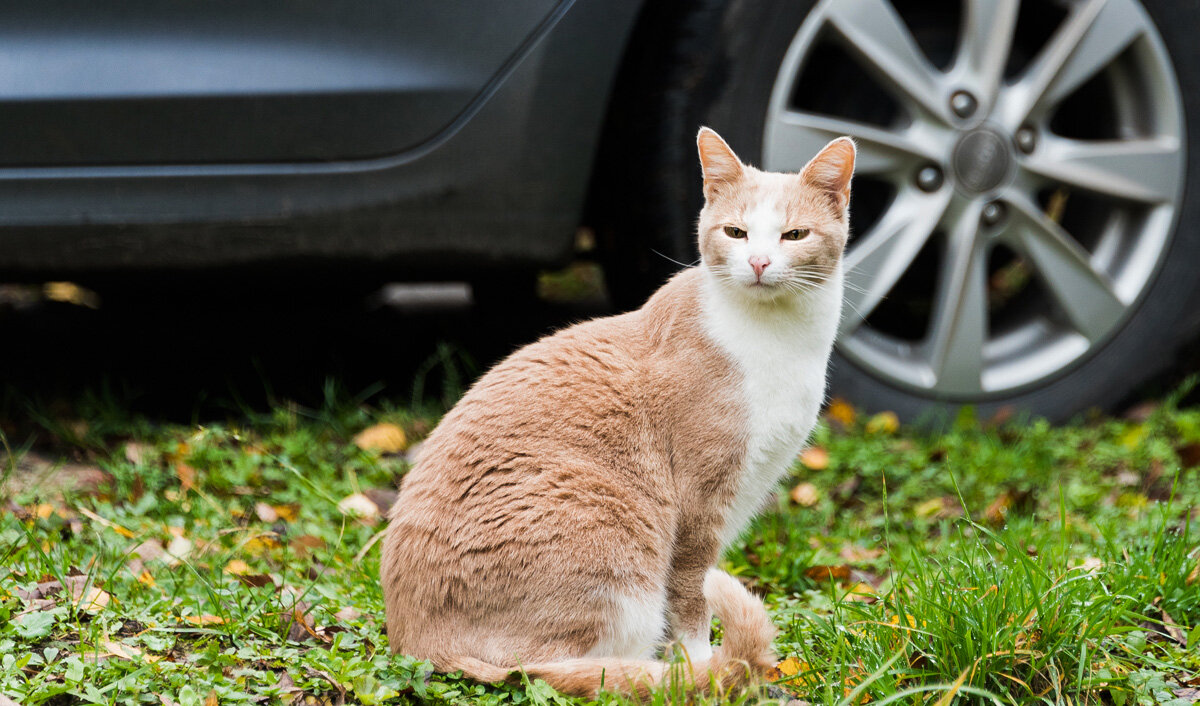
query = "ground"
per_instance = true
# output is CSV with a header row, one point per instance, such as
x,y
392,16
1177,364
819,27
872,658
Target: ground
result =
x,y
1000,560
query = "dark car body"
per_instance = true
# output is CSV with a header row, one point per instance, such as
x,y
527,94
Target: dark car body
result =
x,y
421,137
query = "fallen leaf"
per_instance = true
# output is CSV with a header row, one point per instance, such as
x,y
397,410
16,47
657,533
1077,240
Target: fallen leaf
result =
x,y
105,522
854,553
385,438
938,508
883,423
997,512
301,627
359,505
146,579
186,475
1091,563
827,573
237,567
1174,630
177,550
815,458
120,649
288,512
842,412
89,600
204,619
148,550
266,513
212,699
1188,693
70,293
306,543
261,544
347,614
805,495
862,593
1194,575
383,498
138,453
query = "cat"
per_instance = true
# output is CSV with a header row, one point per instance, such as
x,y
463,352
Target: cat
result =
x,y
565,517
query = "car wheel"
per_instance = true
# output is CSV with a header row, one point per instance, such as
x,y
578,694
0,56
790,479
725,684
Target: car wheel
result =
x,y
1025,205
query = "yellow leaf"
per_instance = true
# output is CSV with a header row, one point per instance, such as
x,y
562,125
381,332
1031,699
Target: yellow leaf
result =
x,y
146,578
841,412
237,567
791,666
929,508
861,593
120,649
287,513
204,619
805,495
261,544
43,511
883,423
384,438
815,458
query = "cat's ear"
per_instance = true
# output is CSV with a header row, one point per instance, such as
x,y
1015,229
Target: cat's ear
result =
x,y
720,165
831,170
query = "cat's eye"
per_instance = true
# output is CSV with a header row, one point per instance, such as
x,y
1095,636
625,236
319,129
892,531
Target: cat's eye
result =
x,y
734,232
795,234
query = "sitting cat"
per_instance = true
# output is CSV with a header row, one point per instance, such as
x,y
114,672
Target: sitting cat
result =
x,y
565,517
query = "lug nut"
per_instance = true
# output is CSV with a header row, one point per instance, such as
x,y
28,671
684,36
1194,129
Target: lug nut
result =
x,y
993,213
963,104
929,178
1026,139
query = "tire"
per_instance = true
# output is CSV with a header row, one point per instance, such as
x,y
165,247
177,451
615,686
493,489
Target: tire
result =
x,y
719,64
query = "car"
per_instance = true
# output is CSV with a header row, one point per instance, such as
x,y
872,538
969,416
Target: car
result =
x,y
1025,208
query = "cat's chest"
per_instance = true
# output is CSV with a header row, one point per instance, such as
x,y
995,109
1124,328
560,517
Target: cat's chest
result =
x,y
780,363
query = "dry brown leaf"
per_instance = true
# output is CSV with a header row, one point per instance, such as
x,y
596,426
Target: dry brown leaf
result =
x,y
186,475
1188,693
854,553
237,567
385,438
1189,454
89,599
204,619
212,699
842,412
306,543
997,512
138,453
1176,633
828,573
805,495
120,649
359,505
815,458
148,550
347,614
862,593
146,579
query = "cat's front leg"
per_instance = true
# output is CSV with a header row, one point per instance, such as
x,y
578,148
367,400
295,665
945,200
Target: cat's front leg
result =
x,y
696,550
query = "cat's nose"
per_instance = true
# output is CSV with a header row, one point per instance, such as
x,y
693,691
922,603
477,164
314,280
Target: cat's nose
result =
x,y
759,263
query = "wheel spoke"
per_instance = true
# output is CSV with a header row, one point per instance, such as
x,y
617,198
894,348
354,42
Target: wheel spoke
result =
x,y
794,137
958,327
875,31
1085,295
1087,41
1144,170
986,40
880,258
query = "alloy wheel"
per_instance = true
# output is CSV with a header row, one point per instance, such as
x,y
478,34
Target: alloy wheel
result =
x,y
1020,169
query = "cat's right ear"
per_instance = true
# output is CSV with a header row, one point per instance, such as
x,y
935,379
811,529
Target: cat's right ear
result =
x,y
719,164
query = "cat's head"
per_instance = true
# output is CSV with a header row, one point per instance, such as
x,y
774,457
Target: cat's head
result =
x,y
768,235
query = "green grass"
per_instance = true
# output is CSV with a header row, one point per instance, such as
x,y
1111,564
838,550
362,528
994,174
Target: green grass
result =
x,y
1019,563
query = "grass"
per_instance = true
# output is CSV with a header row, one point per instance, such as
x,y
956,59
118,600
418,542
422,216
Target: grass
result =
x,y
1007,562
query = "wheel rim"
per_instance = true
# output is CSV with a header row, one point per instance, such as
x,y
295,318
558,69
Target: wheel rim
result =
x,y
1042,148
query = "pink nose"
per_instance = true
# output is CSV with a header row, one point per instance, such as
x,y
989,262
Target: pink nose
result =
x,y
759,263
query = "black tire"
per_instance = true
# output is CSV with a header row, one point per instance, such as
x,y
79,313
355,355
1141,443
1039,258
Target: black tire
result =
x,y
715,64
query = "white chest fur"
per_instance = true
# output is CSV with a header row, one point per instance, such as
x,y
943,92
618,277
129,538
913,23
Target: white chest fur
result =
x,y
782,352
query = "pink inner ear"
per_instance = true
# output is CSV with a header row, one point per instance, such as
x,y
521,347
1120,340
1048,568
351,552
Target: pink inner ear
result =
x,y
717,160
832,169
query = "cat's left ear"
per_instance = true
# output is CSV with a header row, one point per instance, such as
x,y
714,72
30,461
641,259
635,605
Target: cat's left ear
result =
x,y
832,169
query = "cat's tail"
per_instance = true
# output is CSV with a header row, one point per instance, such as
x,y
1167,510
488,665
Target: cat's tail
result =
x,y
745,654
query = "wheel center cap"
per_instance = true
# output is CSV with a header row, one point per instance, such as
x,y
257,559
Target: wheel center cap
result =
x,y
981,161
